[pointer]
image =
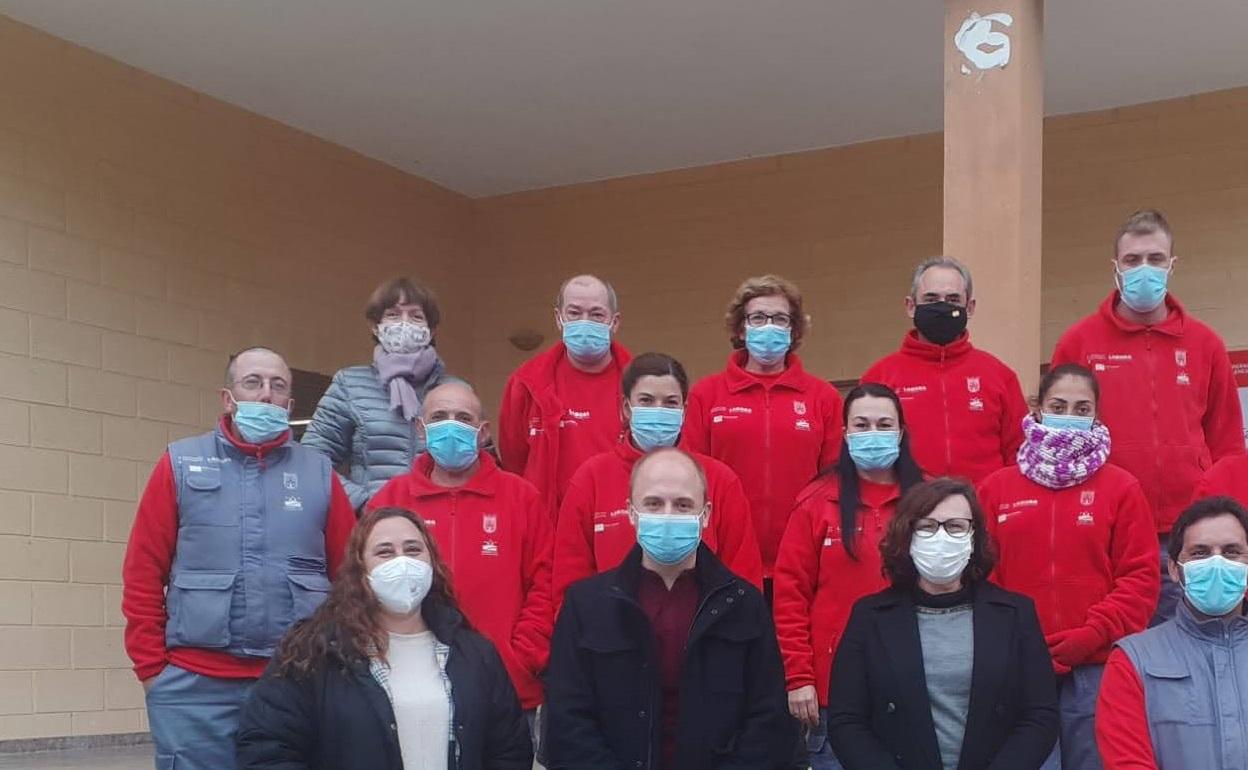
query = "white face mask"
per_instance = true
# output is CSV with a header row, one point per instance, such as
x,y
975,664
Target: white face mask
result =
x,y
941,558
403,336
401,583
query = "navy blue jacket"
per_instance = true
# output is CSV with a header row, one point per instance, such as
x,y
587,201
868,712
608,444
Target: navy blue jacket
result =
x,y
339,718
603,697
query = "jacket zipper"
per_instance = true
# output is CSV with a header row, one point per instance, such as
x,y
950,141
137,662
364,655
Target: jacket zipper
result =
x,y
1150,357
767,512
944,398
1053,552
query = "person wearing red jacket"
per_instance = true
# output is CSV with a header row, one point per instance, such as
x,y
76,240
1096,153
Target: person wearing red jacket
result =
x,y
593,532
820,572
235,538
1170,397
1174,697
1075,535
963,404
492,530
764,416
1228,477
561,407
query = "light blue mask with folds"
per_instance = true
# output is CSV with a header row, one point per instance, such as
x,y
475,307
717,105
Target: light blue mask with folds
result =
x,y
1066,421
655,426
874,450
768,344
258,422
587,340
1144,288
452,444
1215,585
669,538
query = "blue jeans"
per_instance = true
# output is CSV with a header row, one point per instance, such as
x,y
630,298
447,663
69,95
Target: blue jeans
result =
x,y
1171,592
820,748
1076,746
194,719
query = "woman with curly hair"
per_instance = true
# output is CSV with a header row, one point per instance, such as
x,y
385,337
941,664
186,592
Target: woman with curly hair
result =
x,y
942,669
387,674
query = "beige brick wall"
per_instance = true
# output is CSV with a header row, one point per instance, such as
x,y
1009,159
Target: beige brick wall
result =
x,y
145,232
849,223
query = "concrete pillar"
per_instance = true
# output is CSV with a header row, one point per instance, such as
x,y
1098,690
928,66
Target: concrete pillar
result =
x,y
994,113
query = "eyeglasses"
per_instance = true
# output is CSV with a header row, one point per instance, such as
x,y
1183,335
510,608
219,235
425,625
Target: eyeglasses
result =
x,y
783,320
254,383
957,528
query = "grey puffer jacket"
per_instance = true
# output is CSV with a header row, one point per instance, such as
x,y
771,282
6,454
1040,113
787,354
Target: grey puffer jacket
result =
x,y
354,425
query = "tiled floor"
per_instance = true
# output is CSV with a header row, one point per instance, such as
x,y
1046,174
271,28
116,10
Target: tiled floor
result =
x,y
127,758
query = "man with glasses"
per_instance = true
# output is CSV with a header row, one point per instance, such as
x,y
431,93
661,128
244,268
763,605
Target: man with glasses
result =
x,y
1170,399
965,407
234,540
561,407
1175,697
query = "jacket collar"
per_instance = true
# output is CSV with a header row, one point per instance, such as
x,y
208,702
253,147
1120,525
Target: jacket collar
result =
x,y
538,373
484,482
916,347
738,379
1216,630
225,432
1173,325
710,572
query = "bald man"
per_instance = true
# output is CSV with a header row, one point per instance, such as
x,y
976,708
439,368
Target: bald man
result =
x,y
491,528
234,540
668,661
561,407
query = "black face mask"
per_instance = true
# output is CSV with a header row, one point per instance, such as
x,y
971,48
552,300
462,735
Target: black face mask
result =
x,y
940,322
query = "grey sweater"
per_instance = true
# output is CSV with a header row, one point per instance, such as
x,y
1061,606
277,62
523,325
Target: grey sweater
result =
x,y
947,636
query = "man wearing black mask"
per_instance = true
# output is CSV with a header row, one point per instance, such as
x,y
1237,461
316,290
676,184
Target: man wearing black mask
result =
x,y
964,406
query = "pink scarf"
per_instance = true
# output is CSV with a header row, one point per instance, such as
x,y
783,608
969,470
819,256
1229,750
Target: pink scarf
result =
x,y
402,374
1060,458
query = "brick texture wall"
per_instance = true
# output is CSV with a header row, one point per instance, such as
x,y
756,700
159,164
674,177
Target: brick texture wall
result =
x,y
145,232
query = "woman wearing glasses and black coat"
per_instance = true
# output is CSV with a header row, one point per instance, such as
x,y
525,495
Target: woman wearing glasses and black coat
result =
x,y
942,670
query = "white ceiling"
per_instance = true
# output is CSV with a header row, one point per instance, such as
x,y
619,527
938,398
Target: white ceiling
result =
x,y
493,96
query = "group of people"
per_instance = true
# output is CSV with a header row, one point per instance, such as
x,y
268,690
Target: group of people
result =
x,y
629,571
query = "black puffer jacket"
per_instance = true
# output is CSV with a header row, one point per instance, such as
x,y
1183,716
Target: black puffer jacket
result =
x,y
339,717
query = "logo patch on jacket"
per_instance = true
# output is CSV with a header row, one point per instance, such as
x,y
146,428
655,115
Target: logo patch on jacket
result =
x,y
972,384
799,407
1180,358
290,480
292,503
489,523
1086,519
1182,379
976,404
489,548
802,425
1087,497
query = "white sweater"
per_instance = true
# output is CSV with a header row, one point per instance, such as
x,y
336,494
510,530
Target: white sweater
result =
x,y
421,709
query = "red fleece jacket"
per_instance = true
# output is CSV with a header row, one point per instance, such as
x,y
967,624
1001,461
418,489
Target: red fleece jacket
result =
x,y
963,407
149,557
496,539
1167,395
775,432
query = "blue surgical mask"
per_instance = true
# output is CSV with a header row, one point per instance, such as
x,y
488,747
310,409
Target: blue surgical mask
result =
x,y
768,344
874,450
655,426
258,422
587,340
452,444
1066,421
1144,287
1215,585
669,538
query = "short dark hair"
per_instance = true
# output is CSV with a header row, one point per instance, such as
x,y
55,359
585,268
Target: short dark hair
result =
x,y
919,502
402,290
1144,222
1052,376
654,365
1204,508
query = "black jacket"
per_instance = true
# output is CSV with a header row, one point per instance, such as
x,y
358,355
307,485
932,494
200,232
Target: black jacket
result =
x,y
879,716
339,717
602,683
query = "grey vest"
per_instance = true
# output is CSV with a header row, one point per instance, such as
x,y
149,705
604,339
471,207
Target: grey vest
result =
x,y
250,557
1195,676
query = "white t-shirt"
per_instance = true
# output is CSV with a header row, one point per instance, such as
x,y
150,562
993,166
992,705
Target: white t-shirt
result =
x,y
421,709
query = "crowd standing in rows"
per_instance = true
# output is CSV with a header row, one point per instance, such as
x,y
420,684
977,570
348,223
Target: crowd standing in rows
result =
x,y
958,578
